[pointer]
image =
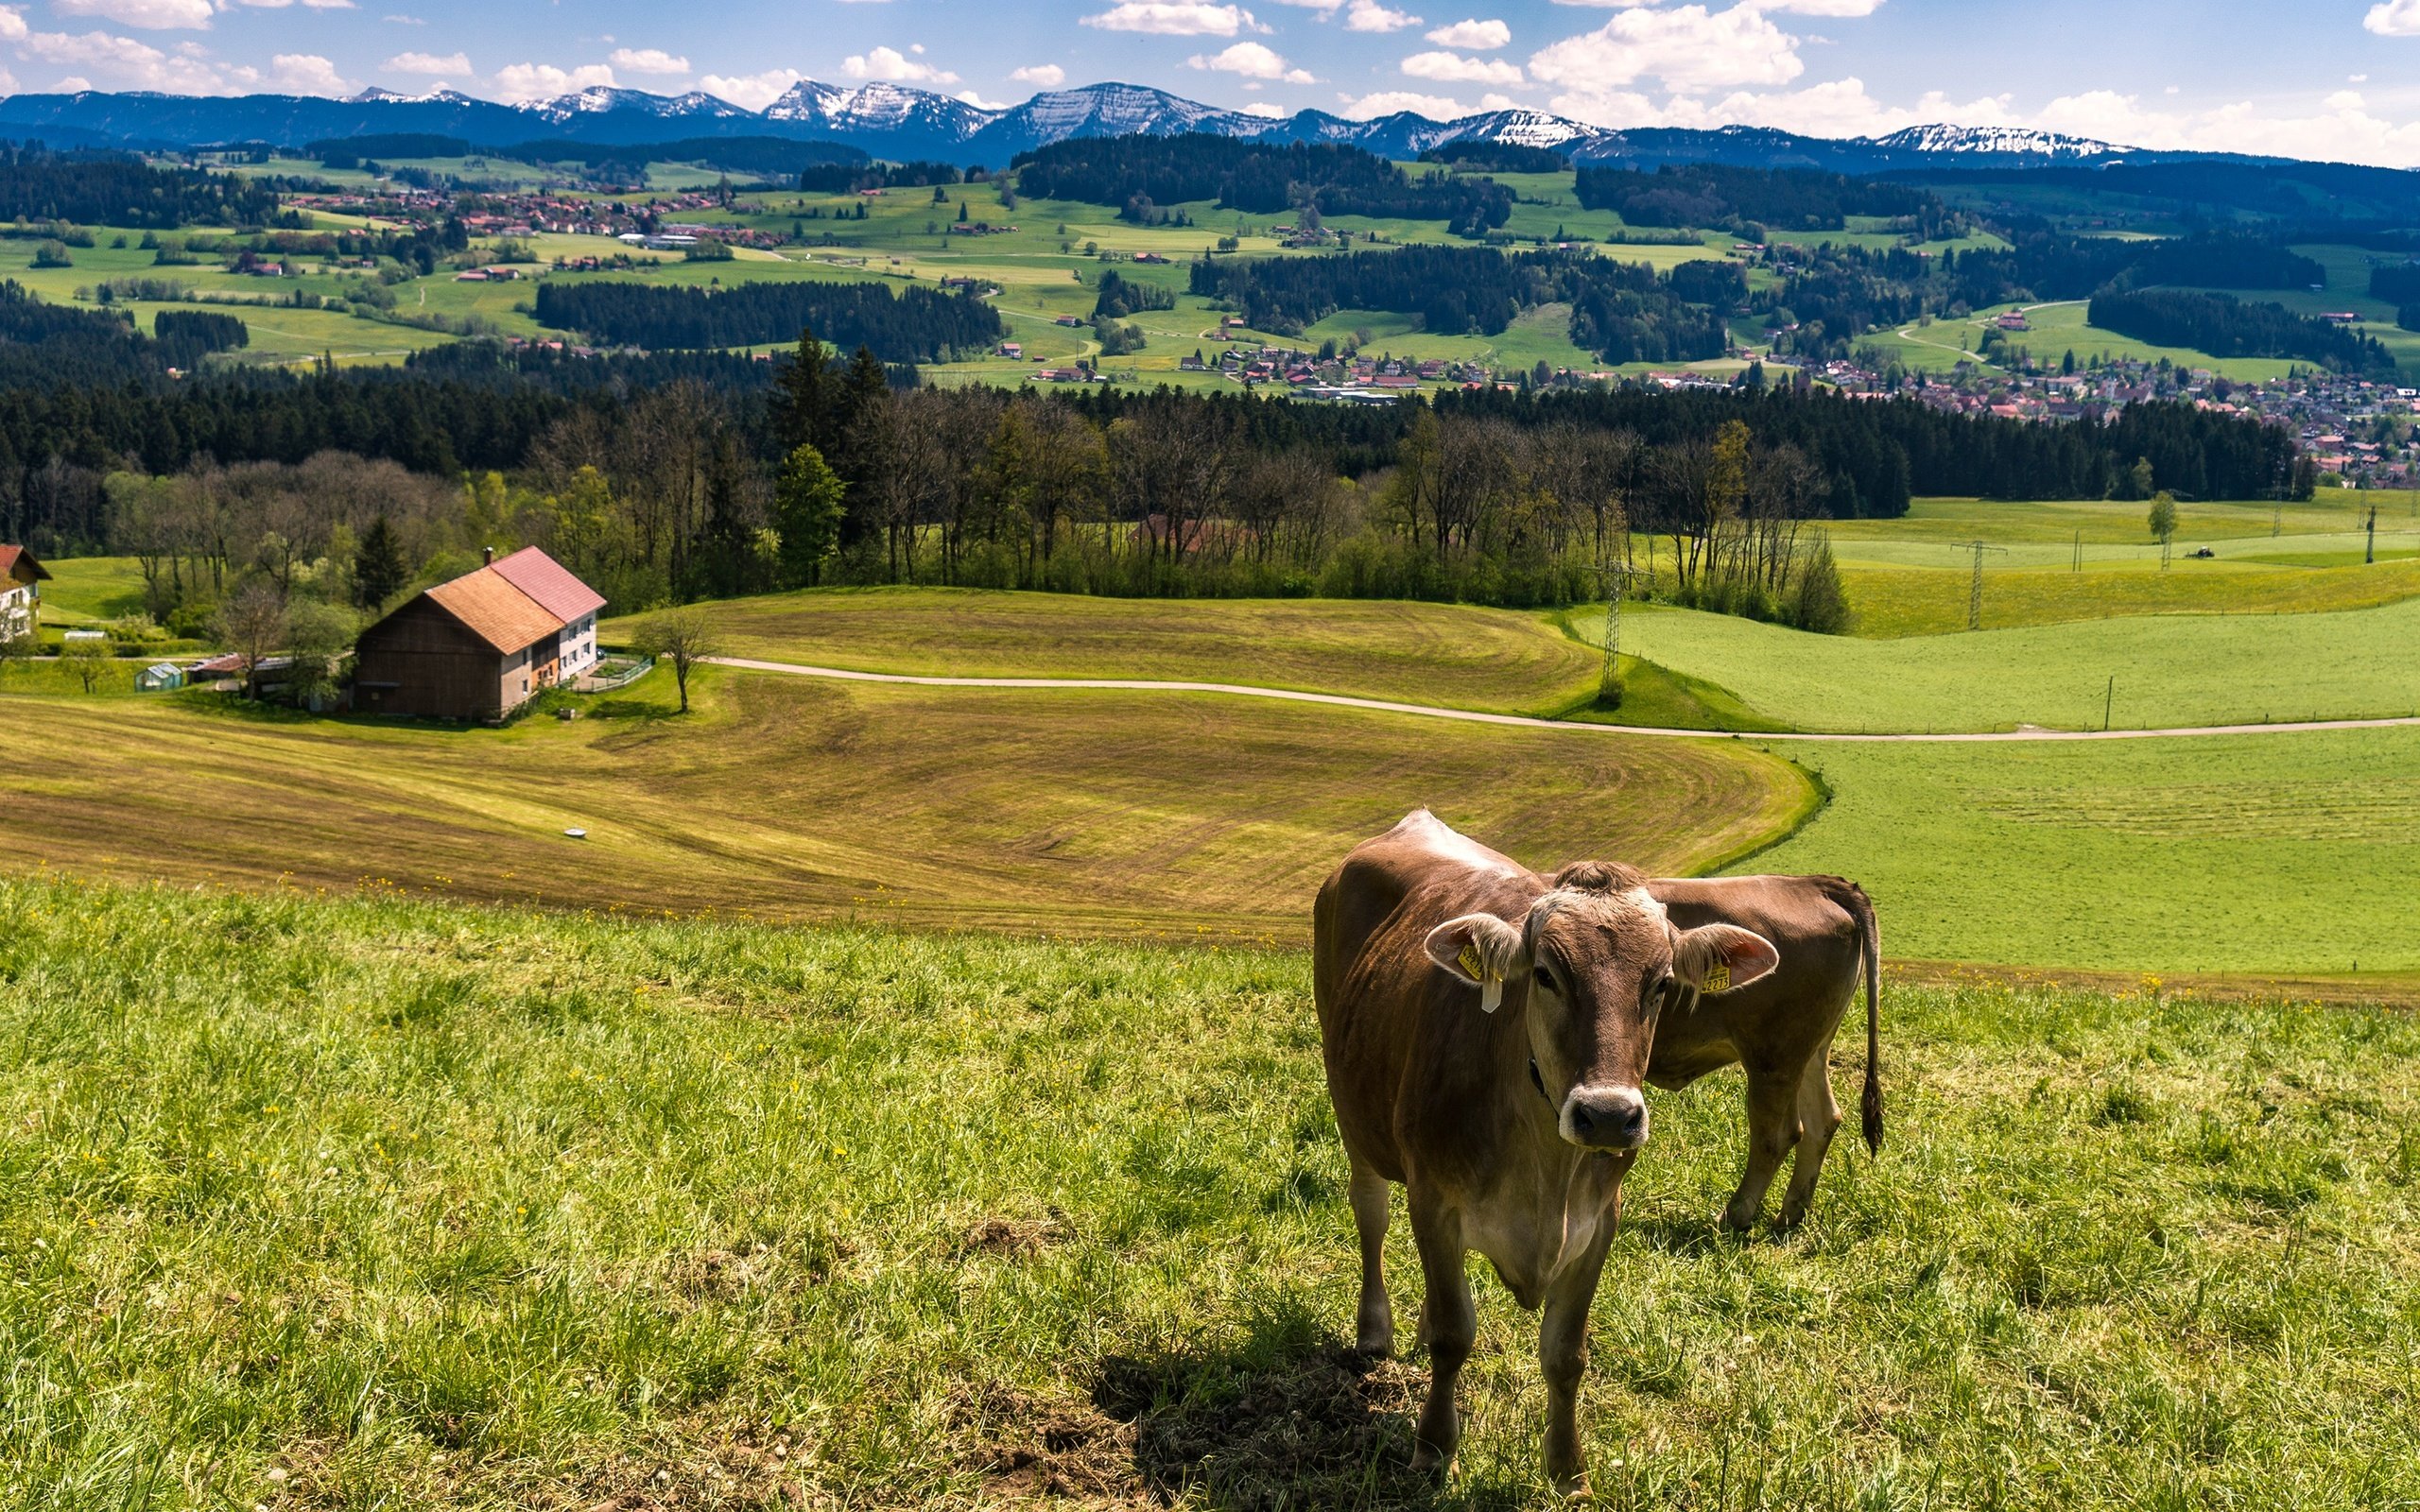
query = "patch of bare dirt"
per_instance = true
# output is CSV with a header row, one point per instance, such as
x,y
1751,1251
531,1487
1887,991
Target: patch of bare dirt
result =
x,y
1330,1427
1015,1238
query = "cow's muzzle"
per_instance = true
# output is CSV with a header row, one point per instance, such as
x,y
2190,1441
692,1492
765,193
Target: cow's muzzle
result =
x,y
1605,1118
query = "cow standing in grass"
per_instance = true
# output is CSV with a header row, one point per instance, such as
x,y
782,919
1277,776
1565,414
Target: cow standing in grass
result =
x,y
1779,1030
1487,1034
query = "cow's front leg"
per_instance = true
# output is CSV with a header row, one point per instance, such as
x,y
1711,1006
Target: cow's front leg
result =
x,y
1772,1128
1448,1325
1375,1324
1563,1357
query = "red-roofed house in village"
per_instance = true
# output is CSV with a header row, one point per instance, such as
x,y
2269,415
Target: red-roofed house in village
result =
x,y
479,647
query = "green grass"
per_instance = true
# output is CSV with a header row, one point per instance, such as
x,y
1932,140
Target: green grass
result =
x,y
2171,670
1496,660
2269,854
796,799
2058,329
84,589
1911,576
356,1203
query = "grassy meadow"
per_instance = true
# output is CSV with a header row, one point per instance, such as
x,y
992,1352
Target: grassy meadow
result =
x,y
2259,856
390,1202
797,798
2171,670
2079,559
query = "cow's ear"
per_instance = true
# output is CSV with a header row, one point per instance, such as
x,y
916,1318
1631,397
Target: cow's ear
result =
x,y
1481,950
1720,957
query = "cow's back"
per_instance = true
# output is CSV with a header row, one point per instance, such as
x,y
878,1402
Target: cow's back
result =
x,y
1813,922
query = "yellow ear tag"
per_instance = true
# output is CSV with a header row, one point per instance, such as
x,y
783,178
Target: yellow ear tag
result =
x,y
1718,979
1490,987
1472,966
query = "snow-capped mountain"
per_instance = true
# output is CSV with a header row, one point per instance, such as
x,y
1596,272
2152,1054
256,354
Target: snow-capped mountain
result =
x,y
879,109
599,99
2000,141
897,121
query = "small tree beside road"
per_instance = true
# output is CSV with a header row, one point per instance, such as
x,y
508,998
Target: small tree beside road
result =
x,y
86,661
683,637
253,624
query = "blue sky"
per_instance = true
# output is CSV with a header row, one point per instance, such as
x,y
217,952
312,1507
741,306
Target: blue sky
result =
x,y
2337,78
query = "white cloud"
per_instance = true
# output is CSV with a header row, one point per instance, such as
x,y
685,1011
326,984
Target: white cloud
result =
x,y
977,100
1251,60
1479,35
155,15
1369,15
456,63
516,82
647,60
2345,99
1451,68
120,62
1436,106
1042,75
307,74
1265,110
752,92
1175,18
12,24
890,65
403,20
1688,48
2394,18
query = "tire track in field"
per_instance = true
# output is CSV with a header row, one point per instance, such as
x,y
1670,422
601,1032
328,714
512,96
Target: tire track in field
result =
x,y
1340,701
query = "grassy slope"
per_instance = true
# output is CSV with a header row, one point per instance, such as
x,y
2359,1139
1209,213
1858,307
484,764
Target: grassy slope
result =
x,y
1490,660
1911,576
2057,329
91,588
425,1204
791,799
2171,670
2261,854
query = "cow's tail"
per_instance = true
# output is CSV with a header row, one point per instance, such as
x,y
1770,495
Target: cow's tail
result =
x,y
1870,937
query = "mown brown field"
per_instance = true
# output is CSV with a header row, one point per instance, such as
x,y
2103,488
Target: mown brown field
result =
x,y
795,799
1497,661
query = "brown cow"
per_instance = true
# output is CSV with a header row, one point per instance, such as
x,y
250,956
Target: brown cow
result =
x,y
1486,1033
1779,1029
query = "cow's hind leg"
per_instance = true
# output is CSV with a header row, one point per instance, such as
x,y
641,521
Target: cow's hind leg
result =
x,y
1374,1326
1448,1325
1772,1128
1563,1358
1819,1118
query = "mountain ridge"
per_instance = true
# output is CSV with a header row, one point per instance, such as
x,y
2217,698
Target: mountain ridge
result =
x,y
898,121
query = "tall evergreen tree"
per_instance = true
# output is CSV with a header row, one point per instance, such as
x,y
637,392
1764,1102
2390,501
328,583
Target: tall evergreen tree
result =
x,y
378,571
802,396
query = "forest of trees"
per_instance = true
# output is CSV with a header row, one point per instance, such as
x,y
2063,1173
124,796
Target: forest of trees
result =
x,y
2398,283
1709,195
734,477
2224,326
1839,292
1138,174
1623,311
119,189
916,324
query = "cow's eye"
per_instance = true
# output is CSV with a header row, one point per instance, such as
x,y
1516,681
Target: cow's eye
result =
x,y
1545,978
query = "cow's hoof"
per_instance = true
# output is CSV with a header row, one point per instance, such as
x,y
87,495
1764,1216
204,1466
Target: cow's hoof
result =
x,y
1378,1343
1427,1459
1732,1223
1574,1488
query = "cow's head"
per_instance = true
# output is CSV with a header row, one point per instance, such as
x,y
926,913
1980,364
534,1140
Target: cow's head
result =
x,y
1595,961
